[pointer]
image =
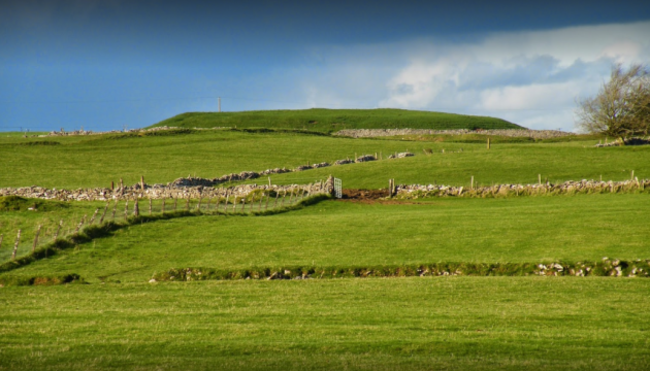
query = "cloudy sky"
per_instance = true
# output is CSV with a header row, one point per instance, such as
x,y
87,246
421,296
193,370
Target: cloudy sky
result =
x,y
106,64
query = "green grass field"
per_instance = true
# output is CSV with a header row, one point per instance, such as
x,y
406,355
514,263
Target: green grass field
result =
x,y
115,319
515,230
330,120
446,323
95,161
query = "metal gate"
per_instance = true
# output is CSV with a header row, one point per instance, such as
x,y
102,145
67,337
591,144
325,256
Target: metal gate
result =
x,y
338,188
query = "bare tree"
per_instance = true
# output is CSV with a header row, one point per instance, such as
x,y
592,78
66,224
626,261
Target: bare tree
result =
x,y
622,106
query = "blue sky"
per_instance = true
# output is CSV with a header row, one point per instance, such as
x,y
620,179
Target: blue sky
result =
x,y
106,64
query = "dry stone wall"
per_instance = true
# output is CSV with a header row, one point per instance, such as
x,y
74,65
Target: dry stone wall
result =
x,y
369,133
502,190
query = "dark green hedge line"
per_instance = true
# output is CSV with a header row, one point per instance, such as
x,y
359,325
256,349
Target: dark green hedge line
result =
x,y
606,267
41,280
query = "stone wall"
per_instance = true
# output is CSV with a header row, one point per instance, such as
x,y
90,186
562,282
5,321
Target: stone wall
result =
x,y
163,192
568,187
369,133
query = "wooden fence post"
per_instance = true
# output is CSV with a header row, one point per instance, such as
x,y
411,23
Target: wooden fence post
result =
x,y
275,203
291,196
539,179
225,207
175,202
81,222
216,205
488,143
269,182
471,186
234,205
187,203
38,231
632,175
150,206
58,229
121,186
13,255
162,207
284,195
136,208
92,220
126,209
243,203
266,206
101,220
142,183
261,199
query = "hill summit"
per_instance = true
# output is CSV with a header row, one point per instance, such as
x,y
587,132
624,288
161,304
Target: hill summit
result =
x,y
331,120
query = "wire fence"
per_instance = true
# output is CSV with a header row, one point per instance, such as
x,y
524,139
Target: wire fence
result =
x,y
17,243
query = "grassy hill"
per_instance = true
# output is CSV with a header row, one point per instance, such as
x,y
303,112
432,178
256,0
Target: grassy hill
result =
x,y
95,161
330,120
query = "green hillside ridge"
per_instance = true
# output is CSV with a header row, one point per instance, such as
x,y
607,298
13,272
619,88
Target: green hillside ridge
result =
x,y
331,120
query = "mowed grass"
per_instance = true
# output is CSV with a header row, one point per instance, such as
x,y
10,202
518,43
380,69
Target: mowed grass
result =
x,y
443,323
343,234
95,161
330,120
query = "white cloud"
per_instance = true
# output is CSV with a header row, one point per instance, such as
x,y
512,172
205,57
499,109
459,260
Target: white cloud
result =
x,y
531,78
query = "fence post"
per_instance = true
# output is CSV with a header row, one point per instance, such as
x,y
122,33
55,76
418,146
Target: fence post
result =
x,y
632,175
92,220
81,222
216,205
269,181
225,207
175,202
142,183
243,203
13,255
38,231
150,207
198,207
58,229
275,203
114,209
121,186
291,196
266,206
187,203
126,209
234,205
261,199
136,208
471,186
101,220
488,143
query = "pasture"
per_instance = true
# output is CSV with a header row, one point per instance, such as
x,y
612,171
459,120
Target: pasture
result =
x,y
95,161
114,318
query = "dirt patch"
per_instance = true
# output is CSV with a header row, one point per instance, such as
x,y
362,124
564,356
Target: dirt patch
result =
x,y
364,194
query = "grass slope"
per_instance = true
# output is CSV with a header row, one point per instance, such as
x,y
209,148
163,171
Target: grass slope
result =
x,y
533,229
450,323
97,160
330,120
